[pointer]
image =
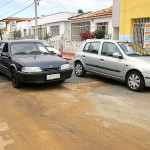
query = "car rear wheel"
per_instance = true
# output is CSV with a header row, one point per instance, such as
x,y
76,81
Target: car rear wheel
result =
x,y
79,69
135,81
14,79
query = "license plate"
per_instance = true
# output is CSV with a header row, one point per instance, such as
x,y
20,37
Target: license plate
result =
x,y
53,76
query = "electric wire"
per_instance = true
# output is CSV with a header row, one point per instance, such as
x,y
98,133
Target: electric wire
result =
x,y
14,8
19,11
6,4
64,7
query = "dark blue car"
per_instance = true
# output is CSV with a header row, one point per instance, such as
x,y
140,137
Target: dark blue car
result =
x,y
30,62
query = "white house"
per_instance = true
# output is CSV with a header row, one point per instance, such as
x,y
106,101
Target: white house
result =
x,y
16,24
56,24
92,21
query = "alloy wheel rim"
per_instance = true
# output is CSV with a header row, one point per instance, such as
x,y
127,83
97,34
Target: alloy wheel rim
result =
x,y
134,81
78,69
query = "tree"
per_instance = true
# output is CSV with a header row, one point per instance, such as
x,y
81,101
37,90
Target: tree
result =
x,y
99,34
80,11
86,34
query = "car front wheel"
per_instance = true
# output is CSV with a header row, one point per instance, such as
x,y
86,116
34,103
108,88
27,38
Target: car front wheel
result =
x,y
14,79
79,69
135,81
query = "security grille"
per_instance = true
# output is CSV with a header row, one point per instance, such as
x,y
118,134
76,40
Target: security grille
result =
x,y
138,30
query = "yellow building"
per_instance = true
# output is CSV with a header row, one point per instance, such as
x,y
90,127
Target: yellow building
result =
x,y
133,16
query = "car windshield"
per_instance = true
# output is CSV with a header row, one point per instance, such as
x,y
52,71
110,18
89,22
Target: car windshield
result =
x,y
28,48
132,49
45,43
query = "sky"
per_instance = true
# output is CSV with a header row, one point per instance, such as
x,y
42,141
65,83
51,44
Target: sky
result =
x,y
46,7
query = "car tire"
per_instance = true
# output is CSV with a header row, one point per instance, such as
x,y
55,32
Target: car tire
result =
x,y
135,81
79,69
14,79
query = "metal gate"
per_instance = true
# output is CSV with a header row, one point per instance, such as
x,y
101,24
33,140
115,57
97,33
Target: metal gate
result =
x,y
138,30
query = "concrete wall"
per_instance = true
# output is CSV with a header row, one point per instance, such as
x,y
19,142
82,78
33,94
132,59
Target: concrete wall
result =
x,y
116,13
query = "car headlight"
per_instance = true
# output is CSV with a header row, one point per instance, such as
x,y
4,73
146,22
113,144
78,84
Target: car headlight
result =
x,y
31,69
65,66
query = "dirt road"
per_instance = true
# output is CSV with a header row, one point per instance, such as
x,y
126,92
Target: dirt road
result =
x,y
72,116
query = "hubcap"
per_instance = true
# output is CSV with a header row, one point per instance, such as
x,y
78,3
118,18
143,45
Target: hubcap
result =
x,y
134,81
78,69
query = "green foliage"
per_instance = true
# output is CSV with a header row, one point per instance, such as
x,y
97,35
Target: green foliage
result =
x,y
46,37
17,34
99,34
80,11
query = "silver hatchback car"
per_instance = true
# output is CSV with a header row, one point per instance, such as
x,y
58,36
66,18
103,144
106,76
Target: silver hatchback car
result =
x,y
121,60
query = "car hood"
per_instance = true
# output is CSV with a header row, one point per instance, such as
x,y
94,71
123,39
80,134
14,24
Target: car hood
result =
x,y
142,59
42,61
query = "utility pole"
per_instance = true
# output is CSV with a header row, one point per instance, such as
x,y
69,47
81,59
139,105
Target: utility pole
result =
x,y
36,23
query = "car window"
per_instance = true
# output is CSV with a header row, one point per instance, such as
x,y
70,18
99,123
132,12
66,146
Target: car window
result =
x,y
92,47
28,48
86,48
4,47
109,48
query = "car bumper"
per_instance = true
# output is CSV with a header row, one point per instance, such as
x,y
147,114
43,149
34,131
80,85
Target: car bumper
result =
x,y
147,80
42,77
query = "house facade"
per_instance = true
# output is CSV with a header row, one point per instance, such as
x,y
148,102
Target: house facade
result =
x,y
116,19
92,21
133,17
130,19
56,25
16,27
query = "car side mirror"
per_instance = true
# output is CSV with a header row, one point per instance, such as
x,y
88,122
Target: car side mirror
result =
x,y
117,55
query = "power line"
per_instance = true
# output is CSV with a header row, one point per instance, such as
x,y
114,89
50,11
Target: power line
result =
x,y
6,3
19,11
64,7
14,8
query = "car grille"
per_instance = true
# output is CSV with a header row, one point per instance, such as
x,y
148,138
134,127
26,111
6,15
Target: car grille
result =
x,y
51,69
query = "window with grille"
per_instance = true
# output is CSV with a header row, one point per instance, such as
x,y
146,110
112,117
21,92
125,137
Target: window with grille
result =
x,y
103,26
77,28
55,30
44,30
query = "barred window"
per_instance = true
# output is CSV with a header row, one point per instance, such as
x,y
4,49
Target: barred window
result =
x,y
77,28
103,26
44,30
55,30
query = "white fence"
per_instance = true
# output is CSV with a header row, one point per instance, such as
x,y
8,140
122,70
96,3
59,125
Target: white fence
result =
x,y
66,46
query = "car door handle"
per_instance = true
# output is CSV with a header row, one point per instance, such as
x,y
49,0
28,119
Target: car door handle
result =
x,y
101,59
83,56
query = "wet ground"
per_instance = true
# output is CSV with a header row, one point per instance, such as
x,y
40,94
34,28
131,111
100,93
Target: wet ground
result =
x,y
90,113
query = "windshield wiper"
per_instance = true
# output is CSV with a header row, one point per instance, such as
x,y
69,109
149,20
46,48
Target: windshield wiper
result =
x,y
135,54
20,53
35,52
38,53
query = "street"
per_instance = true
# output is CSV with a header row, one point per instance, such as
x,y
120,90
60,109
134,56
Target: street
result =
x,y
90,113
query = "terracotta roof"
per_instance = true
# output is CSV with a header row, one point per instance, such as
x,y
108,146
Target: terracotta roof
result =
x,y
102,12
16,19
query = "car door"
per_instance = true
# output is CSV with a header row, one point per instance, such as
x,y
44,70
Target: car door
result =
x,y
5,60
110,65
91,55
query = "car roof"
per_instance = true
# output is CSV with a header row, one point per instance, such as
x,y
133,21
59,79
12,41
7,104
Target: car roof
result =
x,y
104,40
24,40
